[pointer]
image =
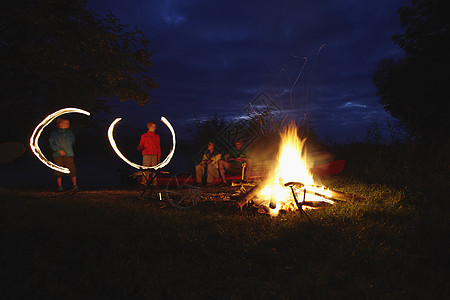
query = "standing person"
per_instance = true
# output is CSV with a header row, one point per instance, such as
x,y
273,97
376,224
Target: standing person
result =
x,y
209,163
234,161
61,142
151,150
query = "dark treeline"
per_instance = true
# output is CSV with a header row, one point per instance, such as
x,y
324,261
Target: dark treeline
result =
x,y
57,54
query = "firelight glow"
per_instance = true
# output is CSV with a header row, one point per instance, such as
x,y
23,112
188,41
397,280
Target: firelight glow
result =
x,y
292,167
34,140
134,165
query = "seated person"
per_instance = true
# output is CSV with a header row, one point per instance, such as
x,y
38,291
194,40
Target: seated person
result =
x,y
234,160
210,163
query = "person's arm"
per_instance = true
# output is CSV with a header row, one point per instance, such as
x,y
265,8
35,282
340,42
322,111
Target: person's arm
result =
x,y
141,144
215,159
242,156
72,137
52,141
55,145
204,159
159,148
69,143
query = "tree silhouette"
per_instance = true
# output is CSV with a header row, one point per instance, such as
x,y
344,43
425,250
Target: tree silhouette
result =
x,y
414,89
57,53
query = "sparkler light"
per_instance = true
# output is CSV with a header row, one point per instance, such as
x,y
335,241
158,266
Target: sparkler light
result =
x,y
134,165
34,140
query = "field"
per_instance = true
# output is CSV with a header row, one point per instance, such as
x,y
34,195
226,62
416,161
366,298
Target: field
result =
x,y
109,244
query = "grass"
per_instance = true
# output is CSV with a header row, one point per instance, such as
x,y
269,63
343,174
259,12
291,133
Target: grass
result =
x,y
394,244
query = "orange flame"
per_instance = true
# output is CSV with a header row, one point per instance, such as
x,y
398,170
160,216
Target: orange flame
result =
x,y
292,167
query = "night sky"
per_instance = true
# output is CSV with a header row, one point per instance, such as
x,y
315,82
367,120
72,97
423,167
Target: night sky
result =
x,y
312,58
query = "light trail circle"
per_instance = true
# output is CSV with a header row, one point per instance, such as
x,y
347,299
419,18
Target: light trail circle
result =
x,y
34,139
134,165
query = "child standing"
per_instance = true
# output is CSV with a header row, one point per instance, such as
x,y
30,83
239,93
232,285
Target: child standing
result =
x,y
151,150
61,142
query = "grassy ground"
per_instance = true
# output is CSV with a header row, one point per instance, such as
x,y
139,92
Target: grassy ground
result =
x,y
107,245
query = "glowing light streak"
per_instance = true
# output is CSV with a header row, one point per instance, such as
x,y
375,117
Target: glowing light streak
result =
x,y
134,165
34,139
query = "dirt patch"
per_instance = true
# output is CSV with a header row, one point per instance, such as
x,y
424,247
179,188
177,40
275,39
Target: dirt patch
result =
x,y
221,199
214,199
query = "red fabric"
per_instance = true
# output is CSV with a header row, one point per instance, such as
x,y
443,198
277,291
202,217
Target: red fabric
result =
x,y
149,144
332,168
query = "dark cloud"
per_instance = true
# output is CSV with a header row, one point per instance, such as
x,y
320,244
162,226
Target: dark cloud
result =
x,y
215,56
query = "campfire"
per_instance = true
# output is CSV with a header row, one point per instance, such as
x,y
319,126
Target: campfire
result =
x,y
291,182
291,186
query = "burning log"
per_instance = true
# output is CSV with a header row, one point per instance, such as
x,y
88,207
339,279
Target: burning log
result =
x,y
336,195
253,192
347,196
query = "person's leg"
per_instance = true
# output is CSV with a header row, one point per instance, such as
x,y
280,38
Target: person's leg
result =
x,y
59,181
59,161
248,168
146,163
199,170
223,165
154,162
213,172
69,162
74,183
